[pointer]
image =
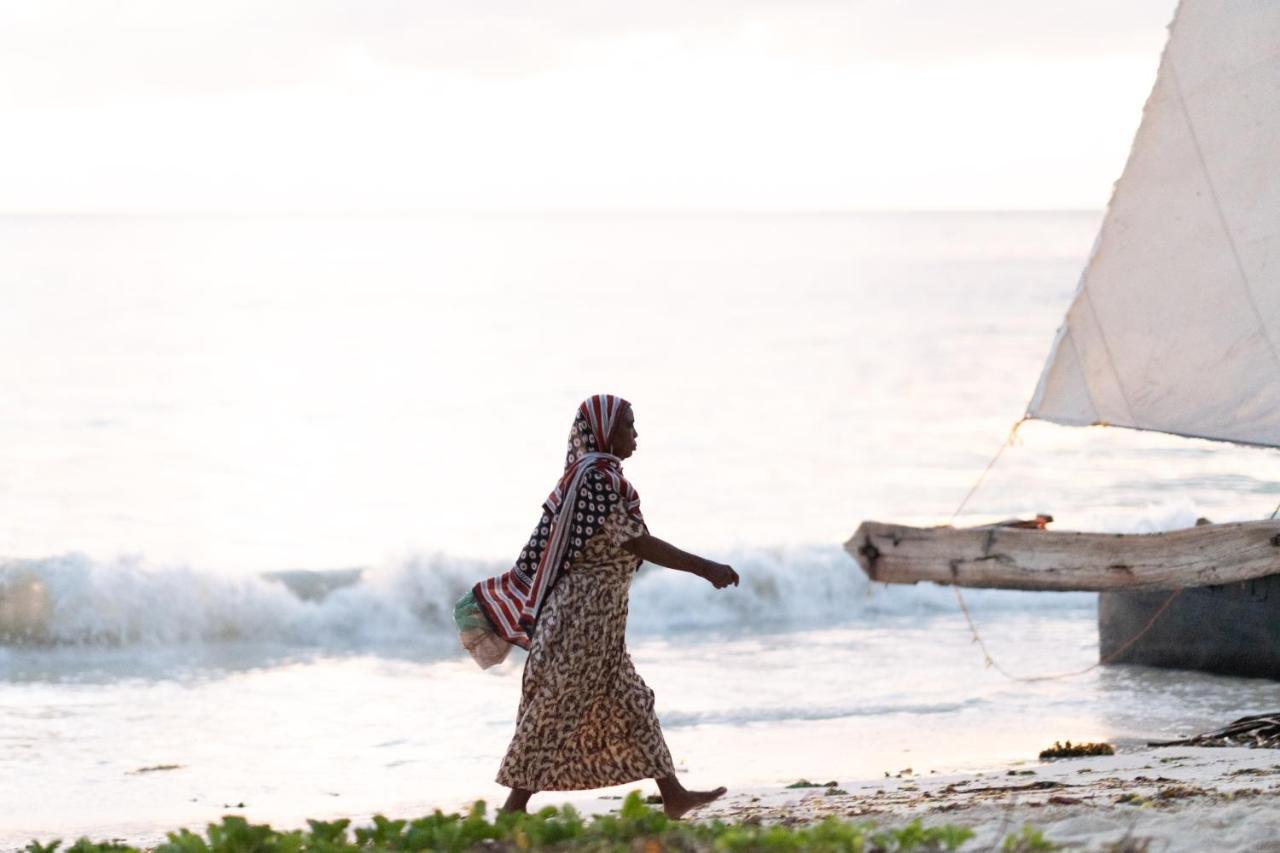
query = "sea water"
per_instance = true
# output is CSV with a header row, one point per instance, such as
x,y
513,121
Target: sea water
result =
x,y
192,404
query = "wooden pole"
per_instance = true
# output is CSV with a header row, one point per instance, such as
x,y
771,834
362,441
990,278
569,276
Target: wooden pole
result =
x,y
1007,557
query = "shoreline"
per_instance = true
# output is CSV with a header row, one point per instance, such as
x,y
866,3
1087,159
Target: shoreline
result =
x,y
1176,798
1180,798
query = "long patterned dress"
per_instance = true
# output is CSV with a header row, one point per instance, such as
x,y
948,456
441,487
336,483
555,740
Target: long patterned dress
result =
x,y
586,717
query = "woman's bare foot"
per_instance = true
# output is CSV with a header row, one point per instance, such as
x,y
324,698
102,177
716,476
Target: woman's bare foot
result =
x,y
680,803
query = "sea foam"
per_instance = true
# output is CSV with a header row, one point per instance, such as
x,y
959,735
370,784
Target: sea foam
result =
x,y
408,602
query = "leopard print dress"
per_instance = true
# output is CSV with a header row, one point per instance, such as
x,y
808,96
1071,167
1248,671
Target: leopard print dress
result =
x,y
586,718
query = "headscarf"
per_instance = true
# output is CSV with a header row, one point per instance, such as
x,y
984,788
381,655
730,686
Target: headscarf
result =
x,y
591,486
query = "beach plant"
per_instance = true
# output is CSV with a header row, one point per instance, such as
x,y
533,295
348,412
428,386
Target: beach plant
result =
x,y
37,847
1029,840
917,836
184,841
237,835
333,832
636,827
84,845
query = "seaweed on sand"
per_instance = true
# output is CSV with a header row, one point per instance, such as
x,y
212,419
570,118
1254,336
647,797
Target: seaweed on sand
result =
x,y
1258,731
1079,750
805,783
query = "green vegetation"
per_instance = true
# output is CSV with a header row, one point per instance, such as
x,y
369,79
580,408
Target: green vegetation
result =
x,y
635,828
805,783
1030,840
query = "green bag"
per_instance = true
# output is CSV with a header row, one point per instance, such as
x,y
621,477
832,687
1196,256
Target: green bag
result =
x,y
477,634
468,616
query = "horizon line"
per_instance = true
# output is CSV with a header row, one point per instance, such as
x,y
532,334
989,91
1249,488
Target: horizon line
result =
x,y
416,213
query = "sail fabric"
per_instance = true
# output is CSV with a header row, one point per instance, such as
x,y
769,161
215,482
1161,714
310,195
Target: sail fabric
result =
x,y
1175,326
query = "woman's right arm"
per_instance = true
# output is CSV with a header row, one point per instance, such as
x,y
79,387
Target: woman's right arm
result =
x,y
663,553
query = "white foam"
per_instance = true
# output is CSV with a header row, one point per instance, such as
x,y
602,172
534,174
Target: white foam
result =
x,y
756,714
128,601
409,601
1167,515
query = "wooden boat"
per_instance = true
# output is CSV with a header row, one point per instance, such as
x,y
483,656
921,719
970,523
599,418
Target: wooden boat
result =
x,y
1223,621
1009,557
1175,327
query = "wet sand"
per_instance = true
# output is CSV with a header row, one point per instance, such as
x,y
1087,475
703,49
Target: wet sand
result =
x,y
1175,798
1181,798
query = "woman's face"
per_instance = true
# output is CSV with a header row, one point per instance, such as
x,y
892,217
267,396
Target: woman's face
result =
x,y
623,439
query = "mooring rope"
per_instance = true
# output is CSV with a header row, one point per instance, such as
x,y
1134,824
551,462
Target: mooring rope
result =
x,y
1009,440
973,628
1115,653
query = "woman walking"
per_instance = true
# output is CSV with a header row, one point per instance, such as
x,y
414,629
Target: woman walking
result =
x,y
586,718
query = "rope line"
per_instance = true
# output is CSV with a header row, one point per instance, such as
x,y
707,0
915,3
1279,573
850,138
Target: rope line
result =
x,y
1115,653
973,628
1009,440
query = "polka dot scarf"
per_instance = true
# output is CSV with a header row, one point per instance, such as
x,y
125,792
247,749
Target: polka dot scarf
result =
x,y
592,485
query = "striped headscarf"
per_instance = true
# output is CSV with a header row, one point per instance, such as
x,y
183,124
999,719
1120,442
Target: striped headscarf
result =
x,y
591,486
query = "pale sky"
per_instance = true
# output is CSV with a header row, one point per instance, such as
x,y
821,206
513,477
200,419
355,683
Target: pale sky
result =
x,y
397,105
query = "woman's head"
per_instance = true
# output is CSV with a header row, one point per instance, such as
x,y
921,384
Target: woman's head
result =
x,y
604,423
622,442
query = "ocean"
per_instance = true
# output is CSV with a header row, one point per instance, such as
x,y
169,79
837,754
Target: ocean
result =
x,y
248,464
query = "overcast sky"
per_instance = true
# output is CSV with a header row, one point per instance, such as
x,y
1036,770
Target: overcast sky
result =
x,y
374,105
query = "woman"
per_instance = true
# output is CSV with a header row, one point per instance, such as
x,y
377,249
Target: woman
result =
x,y
586,718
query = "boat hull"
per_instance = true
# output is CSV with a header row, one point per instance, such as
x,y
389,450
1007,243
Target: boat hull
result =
x,y
1231,629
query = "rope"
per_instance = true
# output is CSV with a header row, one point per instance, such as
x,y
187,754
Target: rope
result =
x,y
973,628
1009,440
1115,653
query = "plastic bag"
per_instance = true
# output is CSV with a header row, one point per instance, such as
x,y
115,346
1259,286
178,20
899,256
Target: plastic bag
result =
x,y
477,634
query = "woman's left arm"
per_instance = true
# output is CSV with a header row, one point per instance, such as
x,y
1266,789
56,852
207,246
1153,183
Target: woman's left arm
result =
x,y
662,553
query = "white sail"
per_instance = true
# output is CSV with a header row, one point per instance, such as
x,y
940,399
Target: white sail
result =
x,y
1176,324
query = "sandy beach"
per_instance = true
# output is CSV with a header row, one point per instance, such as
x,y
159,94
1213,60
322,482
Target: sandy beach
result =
x,y
1156,799
1179,798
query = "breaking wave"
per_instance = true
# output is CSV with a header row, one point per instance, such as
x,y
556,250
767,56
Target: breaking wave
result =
x,y
74,600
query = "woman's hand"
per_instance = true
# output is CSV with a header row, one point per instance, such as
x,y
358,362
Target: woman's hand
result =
x,y
653,549
719,574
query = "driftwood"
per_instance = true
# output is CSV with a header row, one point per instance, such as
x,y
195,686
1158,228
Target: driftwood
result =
x,y
1005,556
1260,730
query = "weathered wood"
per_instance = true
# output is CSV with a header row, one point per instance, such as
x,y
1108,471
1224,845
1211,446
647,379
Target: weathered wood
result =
x,y
1007,557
